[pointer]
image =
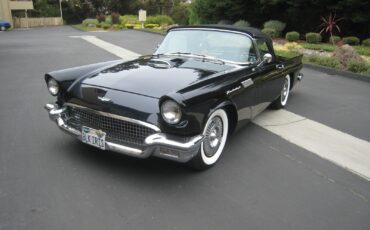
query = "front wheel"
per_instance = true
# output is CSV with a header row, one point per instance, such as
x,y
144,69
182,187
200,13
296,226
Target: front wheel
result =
x,y
2,28
215,135
282,100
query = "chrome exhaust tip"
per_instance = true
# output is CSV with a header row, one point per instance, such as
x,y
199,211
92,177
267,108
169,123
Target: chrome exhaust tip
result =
x,y
300,76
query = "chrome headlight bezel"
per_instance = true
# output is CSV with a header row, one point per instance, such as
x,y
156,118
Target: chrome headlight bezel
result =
x,y
171,112
53,86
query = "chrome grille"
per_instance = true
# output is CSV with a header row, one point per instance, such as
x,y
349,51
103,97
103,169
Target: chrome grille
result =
x,y
117,130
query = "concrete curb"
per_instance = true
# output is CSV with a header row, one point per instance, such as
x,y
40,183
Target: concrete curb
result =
x,y
151,32
341,73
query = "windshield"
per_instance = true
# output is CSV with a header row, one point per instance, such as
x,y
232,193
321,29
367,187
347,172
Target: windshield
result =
x,y
227,46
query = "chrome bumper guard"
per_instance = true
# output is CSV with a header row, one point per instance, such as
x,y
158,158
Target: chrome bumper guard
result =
x,y
158,144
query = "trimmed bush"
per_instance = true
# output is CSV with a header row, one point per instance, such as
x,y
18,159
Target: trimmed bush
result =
x,y
100,18
313,38
354,41
242,23
270,32
160,20
358,67
151,26
90,21
334,39
98,25
116,26
105,25
278,26
128,19
366,42
224,22
292,36
130,26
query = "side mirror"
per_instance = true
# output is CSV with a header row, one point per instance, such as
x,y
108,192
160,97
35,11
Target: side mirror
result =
x,y
267,58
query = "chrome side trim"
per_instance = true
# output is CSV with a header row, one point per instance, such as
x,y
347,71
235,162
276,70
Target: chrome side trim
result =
x,y
151,126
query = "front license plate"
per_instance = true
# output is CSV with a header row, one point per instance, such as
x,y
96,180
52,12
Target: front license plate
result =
x,y
93,137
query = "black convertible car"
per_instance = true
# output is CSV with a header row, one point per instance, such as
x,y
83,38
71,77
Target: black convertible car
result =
x,y
180,103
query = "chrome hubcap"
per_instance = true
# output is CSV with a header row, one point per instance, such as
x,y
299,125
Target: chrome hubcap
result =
x,y
213,136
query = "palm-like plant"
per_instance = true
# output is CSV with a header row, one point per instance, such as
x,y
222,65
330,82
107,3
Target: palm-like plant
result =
x,y
329,24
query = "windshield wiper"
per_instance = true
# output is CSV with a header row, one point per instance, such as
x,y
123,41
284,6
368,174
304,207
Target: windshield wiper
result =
x,y
186,54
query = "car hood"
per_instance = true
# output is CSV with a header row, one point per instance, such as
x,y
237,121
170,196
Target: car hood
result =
x,y
154,77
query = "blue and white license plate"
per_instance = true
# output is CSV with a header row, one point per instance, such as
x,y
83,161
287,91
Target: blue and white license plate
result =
x,y
93,137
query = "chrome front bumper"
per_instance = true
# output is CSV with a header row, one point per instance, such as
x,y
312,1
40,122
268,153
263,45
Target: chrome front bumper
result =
x,y
158,144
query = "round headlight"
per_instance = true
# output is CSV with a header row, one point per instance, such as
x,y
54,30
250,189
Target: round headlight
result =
x,y
171,112
53,87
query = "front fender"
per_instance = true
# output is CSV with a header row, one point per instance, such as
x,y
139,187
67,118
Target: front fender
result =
x,y
66,77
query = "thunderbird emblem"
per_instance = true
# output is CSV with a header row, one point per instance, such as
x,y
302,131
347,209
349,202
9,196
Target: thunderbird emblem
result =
x,y
104,99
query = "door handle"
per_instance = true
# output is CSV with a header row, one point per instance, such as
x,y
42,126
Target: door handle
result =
x,y
280,66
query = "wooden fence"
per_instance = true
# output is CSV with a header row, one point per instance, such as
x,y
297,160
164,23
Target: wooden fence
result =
x,y
36,22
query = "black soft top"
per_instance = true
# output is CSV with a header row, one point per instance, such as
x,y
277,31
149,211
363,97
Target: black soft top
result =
x,y
254,32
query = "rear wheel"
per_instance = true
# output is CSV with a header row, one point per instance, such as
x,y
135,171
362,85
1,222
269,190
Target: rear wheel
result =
x,y
282,100
2,28
215,135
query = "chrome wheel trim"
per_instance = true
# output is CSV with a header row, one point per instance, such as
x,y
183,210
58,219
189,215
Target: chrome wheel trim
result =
x,y
285,91
215,134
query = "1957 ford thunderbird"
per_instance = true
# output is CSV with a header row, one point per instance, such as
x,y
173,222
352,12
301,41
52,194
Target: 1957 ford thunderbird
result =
x,y
180,103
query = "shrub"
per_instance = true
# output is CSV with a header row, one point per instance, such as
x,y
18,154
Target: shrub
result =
x,y
224,22
292,36
366,42
160,20
242,23
100,17
128,19
358,67
346,54
115,18
105,25
278,26
334,39
151,26
90,21
313,38
98,25
130,26
116,26
354,41
362,50
270,32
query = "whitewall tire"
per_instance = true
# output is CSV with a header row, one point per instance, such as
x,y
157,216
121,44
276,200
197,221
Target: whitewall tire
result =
x,y
215,134
282,100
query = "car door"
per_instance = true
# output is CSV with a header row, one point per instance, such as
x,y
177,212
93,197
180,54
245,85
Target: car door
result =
x,y
246,94
269,79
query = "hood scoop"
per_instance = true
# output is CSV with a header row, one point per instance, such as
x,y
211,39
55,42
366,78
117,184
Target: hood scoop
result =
x,y
159,64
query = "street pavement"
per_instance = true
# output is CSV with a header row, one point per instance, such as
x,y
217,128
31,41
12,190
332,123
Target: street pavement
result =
x,y
48,180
